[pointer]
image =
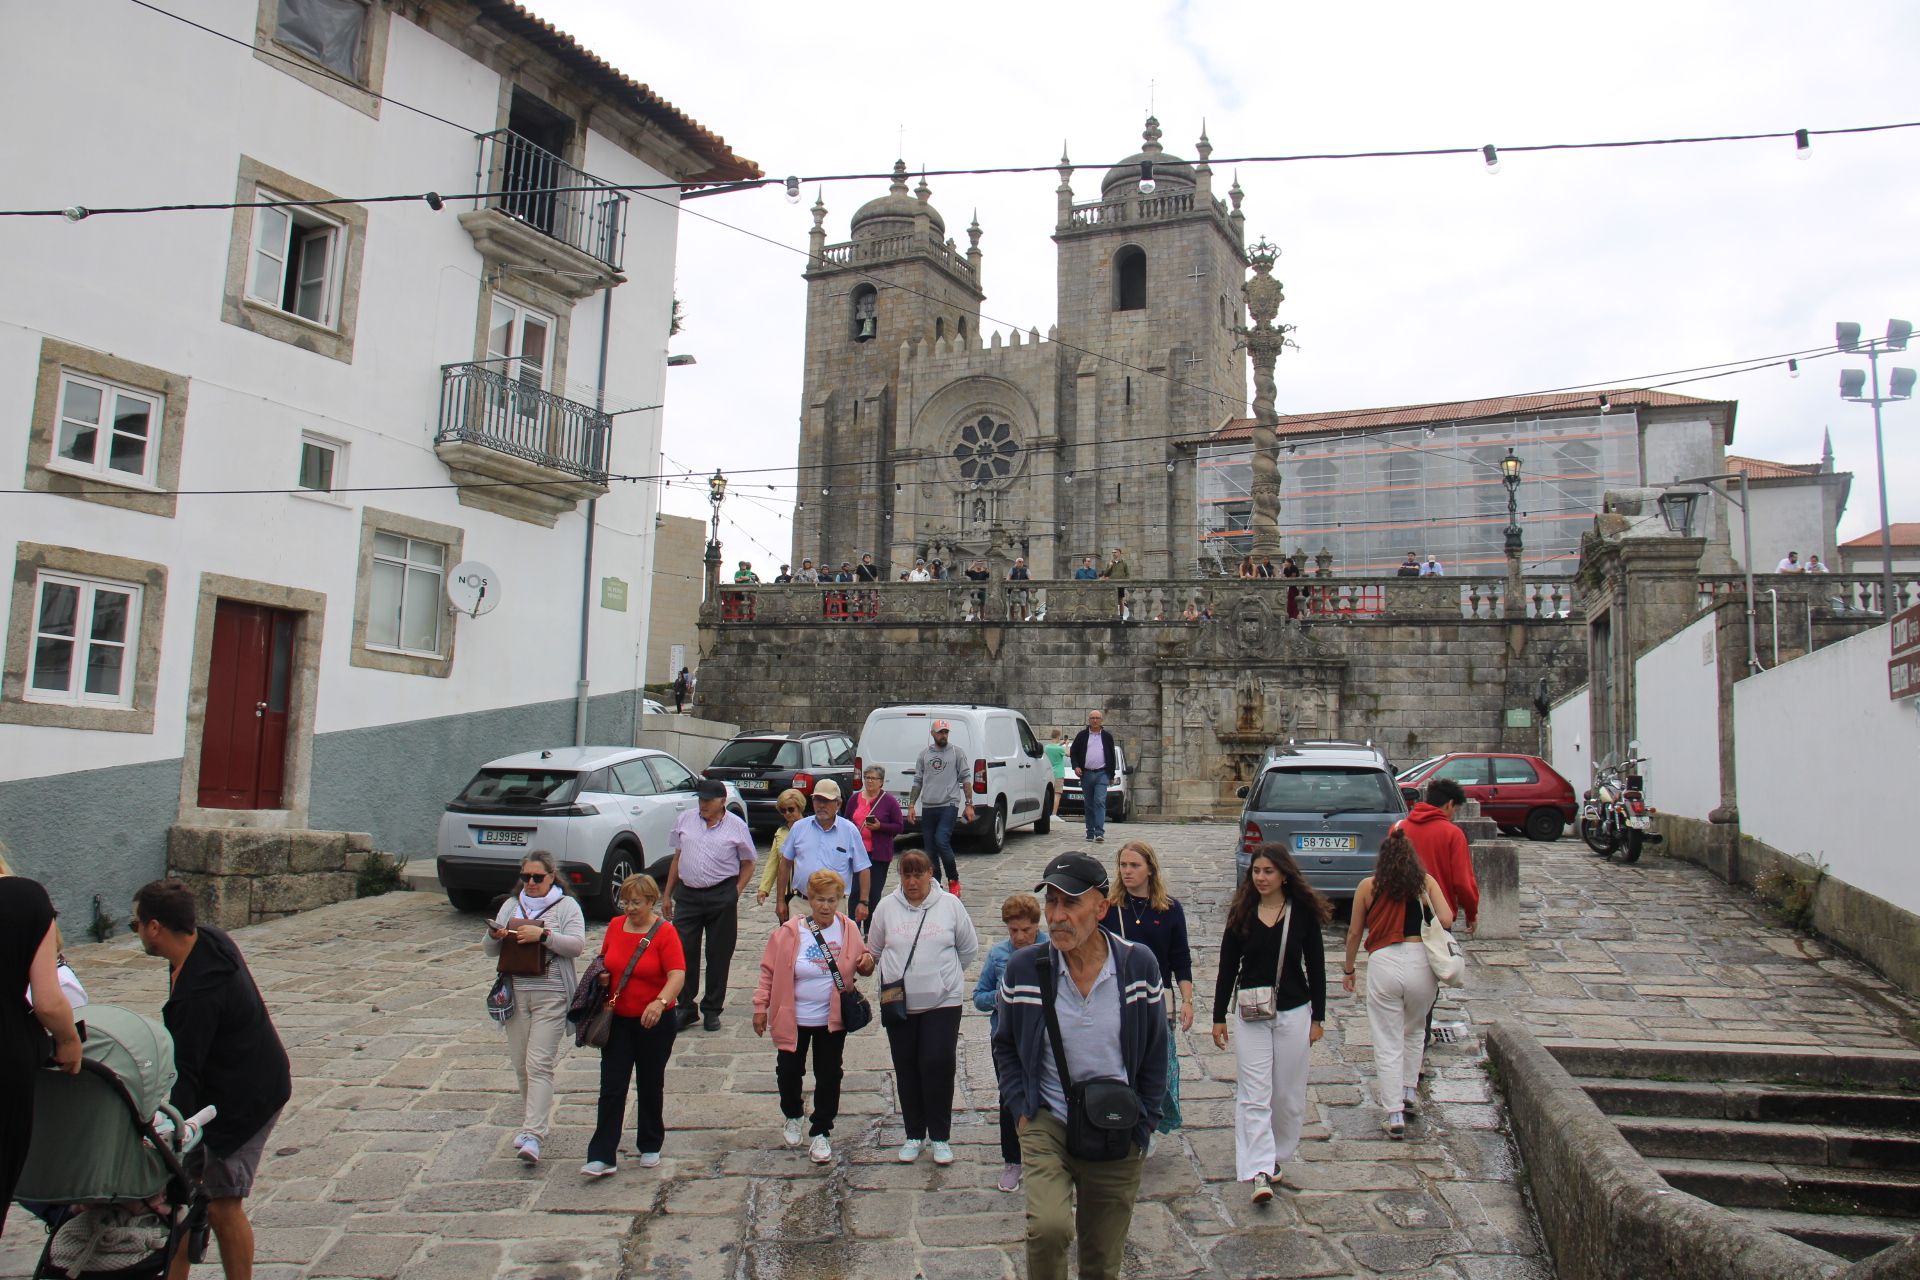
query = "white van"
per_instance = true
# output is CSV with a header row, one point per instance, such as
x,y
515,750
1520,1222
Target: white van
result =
x,y
1012,783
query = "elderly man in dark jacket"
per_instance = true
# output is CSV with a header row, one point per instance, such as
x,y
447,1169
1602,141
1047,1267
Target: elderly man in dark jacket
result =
x,y
1094,757
1093,1000
227,1055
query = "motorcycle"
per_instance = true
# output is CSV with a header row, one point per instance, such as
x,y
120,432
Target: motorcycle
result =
x,y
1614,814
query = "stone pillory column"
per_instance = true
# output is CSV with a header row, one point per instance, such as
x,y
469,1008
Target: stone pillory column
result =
x,y
1264,341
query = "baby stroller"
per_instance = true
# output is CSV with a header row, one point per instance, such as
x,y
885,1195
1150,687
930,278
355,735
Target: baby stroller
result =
x,y
107,1166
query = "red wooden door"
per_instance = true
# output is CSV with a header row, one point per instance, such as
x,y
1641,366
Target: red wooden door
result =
x,y
243,751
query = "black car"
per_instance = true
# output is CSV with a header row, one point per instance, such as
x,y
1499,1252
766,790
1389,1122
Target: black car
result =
x,y
762,765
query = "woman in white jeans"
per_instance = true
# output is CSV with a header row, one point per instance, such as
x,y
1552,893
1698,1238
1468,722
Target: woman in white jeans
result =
x,y
1388,909
540,914
1272,962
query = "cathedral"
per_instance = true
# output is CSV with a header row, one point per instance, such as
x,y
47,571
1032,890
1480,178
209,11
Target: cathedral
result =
x,y
921,435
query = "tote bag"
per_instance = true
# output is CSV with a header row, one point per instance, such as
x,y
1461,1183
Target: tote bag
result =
x,y
1443,953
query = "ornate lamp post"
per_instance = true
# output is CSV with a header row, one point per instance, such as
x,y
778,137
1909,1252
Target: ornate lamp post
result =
x,y
716,494
1516,583
1264,342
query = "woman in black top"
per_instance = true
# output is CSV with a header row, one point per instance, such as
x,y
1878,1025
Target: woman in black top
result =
x,y
27,951
1270,944
1141,910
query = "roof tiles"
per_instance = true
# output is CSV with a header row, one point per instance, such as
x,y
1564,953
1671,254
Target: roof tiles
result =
x,y
1449,411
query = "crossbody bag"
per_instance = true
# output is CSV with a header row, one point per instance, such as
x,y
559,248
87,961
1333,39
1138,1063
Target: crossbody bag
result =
x,y
1256,1003
1102,1113
893,995
594,1029
855,1012
524,959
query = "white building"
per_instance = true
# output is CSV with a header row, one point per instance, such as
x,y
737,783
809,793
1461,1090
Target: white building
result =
x,y
1796,507
254,443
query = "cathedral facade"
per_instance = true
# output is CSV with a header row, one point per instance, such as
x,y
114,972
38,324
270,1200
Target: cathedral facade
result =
x,y
922,435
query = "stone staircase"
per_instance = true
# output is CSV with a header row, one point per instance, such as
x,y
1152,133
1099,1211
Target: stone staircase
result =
x,y
1834,1166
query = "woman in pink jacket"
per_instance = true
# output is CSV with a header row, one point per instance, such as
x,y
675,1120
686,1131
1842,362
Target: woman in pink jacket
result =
x,y
797,999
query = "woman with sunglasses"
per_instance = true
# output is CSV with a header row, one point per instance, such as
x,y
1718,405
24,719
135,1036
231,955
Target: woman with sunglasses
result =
x,y
792,805
540,914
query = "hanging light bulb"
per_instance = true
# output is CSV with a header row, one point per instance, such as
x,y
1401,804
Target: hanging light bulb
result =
x,y
793,190
1793,368
1492,155
1147,184
1802,144
1606,405
1069,477
76,213
825,492
1169,468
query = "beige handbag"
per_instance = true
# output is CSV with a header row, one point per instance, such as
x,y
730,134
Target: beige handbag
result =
x,y
1256,1003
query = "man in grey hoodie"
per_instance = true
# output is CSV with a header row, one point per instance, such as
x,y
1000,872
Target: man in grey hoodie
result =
x,y
940,789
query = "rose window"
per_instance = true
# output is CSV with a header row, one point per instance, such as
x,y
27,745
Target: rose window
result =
x,y
986,451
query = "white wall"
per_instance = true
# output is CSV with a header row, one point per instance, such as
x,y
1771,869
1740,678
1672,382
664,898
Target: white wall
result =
x,y
1677,712
1786,517
1826,761
1570,734
171,123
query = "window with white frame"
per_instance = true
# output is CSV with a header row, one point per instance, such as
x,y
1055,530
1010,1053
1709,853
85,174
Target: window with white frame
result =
x,y
110,430
295,263
519,343
323,463
84,636
404,604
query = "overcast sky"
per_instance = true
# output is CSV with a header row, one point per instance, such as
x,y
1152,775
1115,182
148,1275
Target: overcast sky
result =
x,y
1409,280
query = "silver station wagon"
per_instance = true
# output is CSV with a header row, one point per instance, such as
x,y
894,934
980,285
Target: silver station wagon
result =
x,y
1330,804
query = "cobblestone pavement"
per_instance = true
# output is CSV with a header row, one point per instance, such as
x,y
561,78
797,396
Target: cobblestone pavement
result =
x,y
393,1158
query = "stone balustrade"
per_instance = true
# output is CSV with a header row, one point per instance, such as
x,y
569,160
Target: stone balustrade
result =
x,y
1836,593
1137,600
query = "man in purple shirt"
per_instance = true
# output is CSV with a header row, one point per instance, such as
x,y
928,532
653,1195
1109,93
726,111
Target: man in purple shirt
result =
x,y
1094,759
713,857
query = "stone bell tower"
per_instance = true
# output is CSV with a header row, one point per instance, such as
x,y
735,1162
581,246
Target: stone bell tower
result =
x,y
1151,283
898,284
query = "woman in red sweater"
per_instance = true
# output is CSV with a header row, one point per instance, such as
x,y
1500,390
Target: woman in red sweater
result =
x,y
641,1039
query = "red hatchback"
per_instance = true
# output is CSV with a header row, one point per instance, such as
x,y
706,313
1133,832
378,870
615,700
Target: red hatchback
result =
x,y
1520,793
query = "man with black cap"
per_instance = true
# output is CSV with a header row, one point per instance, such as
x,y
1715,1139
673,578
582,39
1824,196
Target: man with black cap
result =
x,y
713,857
1081,1048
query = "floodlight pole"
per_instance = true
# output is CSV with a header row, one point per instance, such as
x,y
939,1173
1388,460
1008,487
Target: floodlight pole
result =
x,y
1888,606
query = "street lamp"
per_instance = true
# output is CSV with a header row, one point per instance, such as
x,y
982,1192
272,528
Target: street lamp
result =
x,y
1900,387
1676,508
1510,477
716,494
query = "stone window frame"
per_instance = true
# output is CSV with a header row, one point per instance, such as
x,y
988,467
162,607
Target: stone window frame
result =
x,y
362,654
363,97
245,312
1123,257
302,701
44,475
31,559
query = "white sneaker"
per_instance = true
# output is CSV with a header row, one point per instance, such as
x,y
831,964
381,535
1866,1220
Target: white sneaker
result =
x,y
791,1133
1396,1124
820,1151
910,1150
598,1169
1262,1188
942,1153
649,1159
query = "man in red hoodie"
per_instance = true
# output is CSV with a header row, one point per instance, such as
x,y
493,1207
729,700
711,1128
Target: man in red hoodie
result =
x,y
1443,847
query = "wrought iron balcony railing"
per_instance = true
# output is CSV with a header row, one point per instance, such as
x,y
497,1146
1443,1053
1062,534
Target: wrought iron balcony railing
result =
x,y
480,404
550,195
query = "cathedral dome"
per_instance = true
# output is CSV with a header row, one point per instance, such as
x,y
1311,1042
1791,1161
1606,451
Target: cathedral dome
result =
x,y
1166,169
898,204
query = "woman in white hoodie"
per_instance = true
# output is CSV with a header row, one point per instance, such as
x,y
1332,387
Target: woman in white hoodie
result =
x,y
540,915
925,939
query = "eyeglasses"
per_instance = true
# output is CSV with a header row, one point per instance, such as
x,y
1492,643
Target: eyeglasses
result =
x,y
533,877
791,808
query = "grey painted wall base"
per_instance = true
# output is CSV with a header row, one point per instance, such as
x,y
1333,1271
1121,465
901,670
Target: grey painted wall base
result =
x,y
104,831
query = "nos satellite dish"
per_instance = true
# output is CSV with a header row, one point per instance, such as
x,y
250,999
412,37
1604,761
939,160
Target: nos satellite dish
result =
x,y
473,589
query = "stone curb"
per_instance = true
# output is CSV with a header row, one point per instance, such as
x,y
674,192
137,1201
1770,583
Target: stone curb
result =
x,y
1604,1211
1772,1064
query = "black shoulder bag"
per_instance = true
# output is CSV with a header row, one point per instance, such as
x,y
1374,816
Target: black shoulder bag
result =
x,y
855,1012
1102,1113
596,1027
893,995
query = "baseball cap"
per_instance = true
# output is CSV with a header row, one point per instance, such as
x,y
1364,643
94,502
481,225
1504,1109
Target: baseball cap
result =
x,y
1073,873
826,789
711,789
941,726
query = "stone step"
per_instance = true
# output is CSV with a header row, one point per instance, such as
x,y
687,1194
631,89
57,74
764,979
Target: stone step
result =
x,y
1893,1193
1770,1143
1849,1237
1799,1104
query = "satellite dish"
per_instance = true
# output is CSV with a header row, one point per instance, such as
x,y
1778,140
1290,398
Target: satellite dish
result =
x,y
473,589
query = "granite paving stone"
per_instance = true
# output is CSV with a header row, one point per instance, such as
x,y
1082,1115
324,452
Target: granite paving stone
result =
x,y
394,1159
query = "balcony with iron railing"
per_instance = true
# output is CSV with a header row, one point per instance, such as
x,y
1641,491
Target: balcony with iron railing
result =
x,y
540,212
517,448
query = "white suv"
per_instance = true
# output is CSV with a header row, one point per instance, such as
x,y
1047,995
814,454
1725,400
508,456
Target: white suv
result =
x,y
604,813
1012,784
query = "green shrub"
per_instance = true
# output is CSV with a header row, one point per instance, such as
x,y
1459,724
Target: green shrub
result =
x,y
380,873
1789,893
